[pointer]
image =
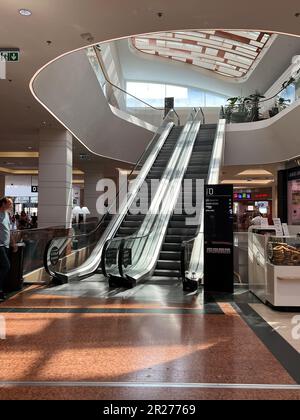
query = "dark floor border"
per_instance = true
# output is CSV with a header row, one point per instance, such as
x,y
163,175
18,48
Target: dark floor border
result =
x,y
277,345
209,309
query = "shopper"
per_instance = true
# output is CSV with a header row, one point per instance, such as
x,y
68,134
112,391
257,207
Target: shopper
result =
x,y
23,222
257,219
6,205
34,221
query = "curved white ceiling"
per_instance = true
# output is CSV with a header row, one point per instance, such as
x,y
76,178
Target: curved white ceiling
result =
x,y
63,23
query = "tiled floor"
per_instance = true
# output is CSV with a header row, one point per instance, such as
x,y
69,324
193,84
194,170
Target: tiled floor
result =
x,y
151,335
283,323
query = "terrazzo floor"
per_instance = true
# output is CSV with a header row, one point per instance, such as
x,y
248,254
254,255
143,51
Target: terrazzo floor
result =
x,y
76,334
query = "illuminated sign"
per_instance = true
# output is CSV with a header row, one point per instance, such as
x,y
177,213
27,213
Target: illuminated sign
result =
x,y
262,196
242,196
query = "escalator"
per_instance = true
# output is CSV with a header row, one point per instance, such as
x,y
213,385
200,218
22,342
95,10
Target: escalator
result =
x,y
153,248
131,246
169,263
77,257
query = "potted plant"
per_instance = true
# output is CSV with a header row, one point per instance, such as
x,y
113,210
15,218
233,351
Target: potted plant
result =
x,y
283,103
236,110
253,104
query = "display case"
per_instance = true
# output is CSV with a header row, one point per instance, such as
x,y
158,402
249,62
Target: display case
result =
x,y
275,265
257,260
284,250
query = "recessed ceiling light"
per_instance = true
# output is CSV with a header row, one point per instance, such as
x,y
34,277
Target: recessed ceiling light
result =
x,y
25,12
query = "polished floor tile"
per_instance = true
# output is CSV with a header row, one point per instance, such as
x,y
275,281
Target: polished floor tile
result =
x,y
283,323
32,393
69,334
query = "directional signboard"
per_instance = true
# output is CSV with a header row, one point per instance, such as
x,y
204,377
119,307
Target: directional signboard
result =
x,y
218,239
9,55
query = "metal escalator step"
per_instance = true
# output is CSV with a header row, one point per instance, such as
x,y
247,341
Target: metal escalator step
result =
x,y
126,231
184,231
168,265
181,224
177,239
131,224
178,217
166,273
171,247
170,256
135,217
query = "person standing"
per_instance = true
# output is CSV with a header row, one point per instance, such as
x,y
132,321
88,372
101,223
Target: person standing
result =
x,y
6,206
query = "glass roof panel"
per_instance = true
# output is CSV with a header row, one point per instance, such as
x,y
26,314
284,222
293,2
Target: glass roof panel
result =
x,y
230,53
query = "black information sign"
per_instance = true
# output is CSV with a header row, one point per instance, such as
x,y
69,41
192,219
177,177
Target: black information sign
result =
x,y
34,189
54,255
218,239
169,104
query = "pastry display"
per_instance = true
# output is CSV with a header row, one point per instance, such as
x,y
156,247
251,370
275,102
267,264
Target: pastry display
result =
x,y
284,254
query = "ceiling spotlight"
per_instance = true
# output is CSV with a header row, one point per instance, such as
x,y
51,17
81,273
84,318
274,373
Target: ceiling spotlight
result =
x,y
25,12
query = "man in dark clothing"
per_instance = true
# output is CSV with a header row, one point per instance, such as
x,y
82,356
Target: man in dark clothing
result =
x,y
5,240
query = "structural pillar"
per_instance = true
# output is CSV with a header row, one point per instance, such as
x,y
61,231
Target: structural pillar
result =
x,y
55,178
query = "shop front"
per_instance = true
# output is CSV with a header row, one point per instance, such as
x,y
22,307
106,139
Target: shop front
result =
x,y
248,203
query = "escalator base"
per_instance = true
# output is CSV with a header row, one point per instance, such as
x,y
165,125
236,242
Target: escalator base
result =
x,y
190,285
120,282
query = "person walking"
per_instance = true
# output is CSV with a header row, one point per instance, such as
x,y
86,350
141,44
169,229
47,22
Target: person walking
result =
x,y
6,206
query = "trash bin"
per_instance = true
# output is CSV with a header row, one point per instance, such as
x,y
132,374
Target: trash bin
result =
x,y
14,279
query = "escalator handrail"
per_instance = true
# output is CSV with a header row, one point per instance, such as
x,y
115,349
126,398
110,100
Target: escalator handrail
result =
x,y
97,49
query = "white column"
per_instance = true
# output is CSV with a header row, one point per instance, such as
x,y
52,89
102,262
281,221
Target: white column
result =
x,y
55,178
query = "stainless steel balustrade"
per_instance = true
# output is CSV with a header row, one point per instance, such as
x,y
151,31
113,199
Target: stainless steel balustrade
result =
x,y
195,247
64,245
135,257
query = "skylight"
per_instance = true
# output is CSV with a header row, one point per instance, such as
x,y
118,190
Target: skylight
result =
x,y
232,54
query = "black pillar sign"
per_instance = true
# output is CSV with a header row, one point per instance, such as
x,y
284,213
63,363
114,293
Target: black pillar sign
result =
x,y
169,104
218,239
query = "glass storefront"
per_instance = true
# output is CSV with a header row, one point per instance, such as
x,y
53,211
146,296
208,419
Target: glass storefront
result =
x,y
247,203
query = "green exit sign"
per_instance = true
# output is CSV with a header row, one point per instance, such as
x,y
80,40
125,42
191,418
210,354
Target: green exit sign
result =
x,y
10,55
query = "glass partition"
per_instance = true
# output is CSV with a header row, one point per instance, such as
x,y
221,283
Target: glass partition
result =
x,y
35,241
